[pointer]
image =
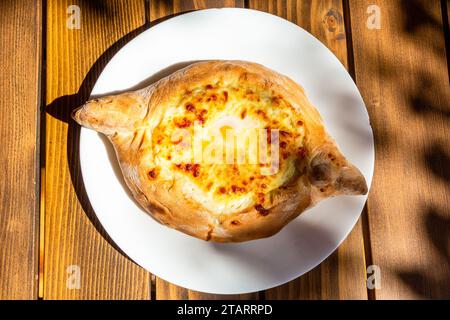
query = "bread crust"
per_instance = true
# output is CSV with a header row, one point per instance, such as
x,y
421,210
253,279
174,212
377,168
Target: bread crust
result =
x,y
129,120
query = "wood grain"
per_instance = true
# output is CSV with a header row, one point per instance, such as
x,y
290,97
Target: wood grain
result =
x,y
402,74
73,236
157,11
165,8
445,7
20,42
342,275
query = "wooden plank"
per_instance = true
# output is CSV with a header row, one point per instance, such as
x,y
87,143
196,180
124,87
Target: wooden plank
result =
x,y
401,70
20,41
159,10
73,236
165,8
448,11
342,275
445,7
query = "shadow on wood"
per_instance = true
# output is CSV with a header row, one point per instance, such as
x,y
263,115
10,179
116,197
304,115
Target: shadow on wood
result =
x,y
420,281
62,107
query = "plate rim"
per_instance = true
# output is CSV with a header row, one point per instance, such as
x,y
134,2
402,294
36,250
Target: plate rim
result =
x,y
251,11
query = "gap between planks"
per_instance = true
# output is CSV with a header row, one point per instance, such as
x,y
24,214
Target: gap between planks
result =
x,y
42,149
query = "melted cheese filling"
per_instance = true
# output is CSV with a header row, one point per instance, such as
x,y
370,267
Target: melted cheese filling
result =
x,y
211,139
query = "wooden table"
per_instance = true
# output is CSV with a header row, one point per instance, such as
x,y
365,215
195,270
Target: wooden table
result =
x,y
47,224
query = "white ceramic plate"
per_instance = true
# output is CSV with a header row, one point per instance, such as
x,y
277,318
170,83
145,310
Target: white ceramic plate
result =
x,y
244,267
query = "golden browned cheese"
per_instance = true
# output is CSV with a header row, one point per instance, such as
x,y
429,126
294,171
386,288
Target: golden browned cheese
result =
x,y
236,110
223,150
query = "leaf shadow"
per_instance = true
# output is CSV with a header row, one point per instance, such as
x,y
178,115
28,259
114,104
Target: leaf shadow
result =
x,y
420,281
437,226
417,87
417,17
437,160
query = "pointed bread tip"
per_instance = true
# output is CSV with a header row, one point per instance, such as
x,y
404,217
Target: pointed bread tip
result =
x,y
111,114
329,168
